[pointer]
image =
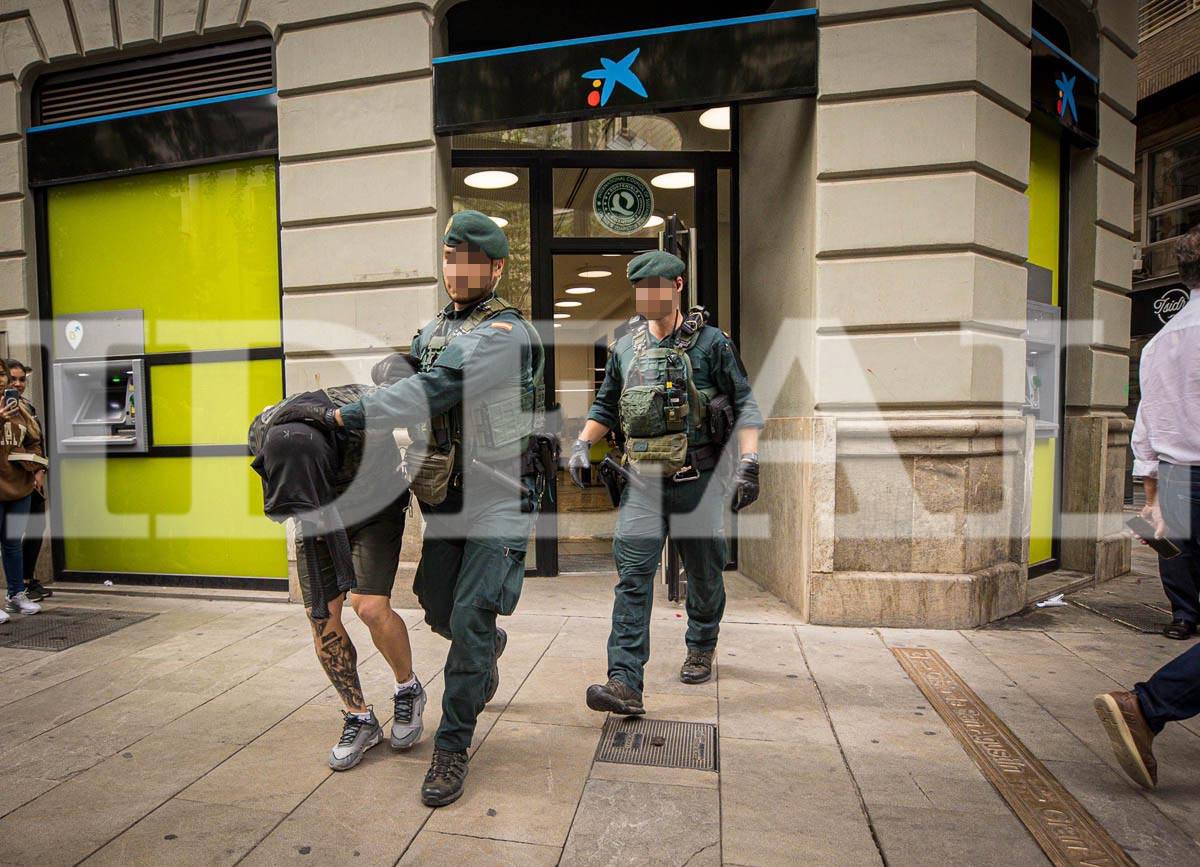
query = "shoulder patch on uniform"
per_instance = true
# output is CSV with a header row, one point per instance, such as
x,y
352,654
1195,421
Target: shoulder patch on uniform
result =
x,y
503,326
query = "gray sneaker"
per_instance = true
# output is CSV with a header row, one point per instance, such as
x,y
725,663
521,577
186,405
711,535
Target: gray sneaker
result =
x,y
358,736
406,720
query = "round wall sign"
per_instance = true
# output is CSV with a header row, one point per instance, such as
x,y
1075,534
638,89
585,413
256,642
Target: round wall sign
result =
x,y
1171,302
623,203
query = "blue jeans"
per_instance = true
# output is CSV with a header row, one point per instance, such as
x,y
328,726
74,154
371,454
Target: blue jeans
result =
x,y
13,516
1173,693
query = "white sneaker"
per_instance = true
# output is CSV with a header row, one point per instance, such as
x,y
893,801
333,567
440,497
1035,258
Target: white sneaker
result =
x,y
3,616
406,720
20,602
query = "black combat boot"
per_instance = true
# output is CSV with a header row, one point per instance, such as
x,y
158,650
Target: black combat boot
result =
x,y
494,678
615,697
444,781
697,667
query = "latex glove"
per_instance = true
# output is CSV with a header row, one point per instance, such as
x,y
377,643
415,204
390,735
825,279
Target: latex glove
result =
x,y
579,461
745,482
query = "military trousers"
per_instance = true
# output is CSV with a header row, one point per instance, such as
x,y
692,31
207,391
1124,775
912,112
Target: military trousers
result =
x,y
693,512
471,570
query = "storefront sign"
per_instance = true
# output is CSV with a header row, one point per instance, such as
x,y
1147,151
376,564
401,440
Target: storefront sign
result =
x,y
1064,90
623,203
756,57
1154,308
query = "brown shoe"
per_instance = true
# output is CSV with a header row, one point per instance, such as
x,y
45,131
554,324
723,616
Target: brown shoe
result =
x,y
1131,737
697,666
615,697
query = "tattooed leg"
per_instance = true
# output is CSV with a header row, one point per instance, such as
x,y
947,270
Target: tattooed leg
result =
x,y
338,657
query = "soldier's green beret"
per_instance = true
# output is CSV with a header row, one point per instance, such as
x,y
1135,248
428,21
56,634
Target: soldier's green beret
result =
x,y
478,229
656,263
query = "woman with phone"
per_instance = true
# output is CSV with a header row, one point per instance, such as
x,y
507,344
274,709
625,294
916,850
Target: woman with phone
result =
x,y
22,470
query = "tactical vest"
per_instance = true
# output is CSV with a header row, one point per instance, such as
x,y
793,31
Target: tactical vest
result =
x,y
660,407
499,425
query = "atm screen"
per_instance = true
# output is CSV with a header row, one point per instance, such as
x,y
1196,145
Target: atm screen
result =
x,y
105,405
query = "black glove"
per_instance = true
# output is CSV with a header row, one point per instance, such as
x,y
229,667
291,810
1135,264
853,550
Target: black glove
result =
x,y
319,415
579,461
745,482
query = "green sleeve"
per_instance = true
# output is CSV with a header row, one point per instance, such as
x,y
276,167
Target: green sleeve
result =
x,y
409,401
727,373
605,407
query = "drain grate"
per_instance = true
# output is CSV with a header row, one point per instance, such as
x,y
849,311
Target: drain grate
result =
x,y
59,628
659,743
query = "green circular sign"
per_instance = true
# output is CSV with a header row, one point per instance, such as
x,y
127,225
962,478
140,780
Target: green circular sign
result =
x,y
623,203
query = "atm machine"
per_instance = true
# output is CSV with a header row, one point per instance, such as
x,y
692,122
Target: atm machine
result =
x,y
98,380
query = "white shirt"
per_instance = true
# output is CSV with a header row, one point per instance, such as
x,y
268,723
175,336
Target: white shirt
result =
x,y
1168,417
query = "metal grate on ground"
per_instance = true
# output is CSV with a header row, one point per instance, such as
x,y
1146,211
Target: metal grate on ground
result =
x,y
59,628
659,743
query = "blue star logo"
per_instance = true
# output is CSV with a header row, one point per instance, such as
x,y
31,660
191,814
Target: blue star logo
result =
x,y
1066,97
611,74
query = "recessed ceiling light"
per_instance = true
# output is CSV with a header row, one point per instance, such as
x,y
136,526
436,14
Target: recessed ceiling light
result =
x,y
674,180
716,118
492,179
568,303
558,325
592,273
499,221
654,222
611,254
580,290
562,315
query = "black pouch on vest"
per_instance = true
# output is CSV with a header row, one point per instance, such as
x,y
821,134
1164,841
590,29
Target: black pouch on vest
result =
x,y
720,419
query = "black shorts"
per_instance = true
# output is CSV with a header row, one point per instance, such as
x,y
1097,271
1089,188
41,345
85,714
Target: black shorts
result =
x,y
375,547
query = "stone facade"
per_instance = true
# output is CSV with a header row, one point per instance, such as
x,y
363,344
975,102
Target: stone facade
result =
x,y
896,478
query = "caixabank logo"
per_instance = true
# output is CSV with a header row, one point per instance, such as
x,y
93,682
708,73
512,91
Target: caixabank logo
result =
x,y
1067,110
609,75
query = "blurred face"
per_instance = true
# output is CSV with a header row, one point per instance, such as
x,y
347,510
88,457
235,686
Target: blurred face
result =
x,y
4,379
468,272
16,378
656,297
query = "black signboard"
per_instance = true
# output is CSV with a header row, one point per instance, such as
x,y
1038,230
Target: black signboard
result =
x,y
224,128
755,57
1064,90
1153,308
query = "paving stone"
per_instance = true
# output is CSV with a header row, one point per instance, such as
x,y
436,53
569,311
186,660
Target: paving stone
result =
x,y
765,687
621,823
16,790
933,836
784,802
555,691
434,848
100,803
184,832
650,774
550,762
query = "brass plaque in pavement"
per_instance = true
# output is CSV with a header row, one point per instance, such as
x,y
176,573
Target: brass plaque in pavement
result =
x,y
1067,832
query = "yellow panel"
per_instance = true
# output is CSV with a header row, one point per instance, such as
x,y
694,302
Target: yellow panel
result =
x,y
1045,191
210,404
196,249
198,516
1041,532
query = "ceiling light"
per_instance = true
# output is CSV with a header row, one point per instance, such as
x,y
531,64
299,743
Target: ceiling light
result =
x,y
499,221
674,180
562,315
654,222
492,179
558,325
580,290
612,254
592,273
716,118
568,303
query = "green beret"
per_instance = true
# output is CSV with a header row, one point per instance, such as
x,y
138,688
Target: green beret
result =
x,y
656,263
478,229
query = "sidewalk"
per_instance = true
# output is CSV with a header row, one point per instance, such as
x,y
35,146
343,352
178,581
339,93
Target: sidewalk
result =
x,y
200,735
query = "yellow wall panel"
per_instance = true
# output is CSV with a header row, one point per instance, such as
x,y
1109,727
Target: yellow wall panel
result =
x,y
198,516
196,249
211,404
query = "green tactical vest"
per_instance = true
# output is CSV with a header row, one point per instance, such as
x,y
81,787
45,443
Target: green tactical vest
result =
x,y
500,425
660,408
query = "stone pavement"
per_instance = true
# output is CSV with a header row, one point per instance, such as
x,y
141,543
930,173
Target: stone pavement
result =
x,y
200,736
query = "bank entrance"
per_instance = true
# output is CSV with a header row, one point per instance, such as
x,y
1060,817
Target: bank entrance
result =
x,y
578,200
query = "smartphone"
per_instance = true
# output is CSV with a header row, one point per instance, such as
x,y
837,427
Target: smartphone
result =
x,y
11,395
1144,530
